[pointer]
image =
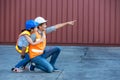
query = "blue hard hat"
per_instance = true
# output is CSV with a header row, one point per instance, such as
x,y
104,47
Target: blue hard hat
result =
x,y
31,24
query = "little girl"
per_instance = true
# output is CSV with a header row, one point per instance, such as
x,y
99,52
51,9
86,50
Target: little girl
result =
x,y
22,45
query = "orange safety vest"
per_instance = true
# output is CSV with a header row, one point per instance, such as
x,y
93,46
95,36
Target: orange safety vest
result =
x,y
36,50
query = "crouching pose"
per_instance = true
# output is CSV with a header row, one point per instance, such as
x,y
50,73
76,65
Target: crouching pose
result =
x,y
38,53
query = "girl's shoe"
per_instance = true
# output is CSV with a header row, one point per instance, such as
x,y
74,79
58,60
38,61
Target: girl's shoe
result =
x,y
17,70
25,68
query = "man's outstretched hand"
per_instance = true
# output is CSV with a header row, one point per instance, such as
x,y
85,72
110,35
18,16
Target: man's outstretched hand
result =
x,y
71,22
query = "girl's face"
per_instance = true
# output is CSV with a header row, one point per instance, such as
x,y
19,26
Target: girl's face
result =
x,y
35,29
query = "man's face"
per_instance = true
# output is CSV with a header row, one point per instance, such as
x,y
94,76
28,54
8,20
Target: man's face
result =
x,y
43,27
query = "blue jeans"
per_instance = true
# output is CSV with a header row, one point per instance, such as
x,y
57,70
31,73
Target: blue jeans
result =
x,y
23,62
41,61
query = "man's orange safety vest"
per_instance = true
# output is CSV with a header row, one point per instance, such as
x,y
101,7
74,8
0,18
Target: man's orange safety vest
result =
x,y
38,49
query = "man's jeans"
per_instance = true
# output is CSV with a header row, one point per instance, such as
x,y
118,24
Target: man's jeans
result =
x,y
41,61
23,62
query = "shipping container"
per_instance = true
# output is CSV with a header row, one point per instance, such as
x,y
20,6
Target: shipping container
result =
x,y
98,21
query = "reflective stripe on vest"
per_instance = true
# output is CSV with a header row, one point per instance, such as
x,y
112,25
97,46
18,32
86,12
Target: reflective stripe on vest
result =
x,y
20,51
17,48
36,50
25,33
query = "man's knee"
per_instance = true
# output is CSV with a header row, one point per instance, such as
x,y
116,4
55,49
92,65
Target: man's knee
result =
x,y
58,49
50,70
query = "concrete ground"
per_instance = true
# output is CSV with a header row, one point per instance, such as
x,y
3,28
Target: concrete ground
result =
x,y
75,63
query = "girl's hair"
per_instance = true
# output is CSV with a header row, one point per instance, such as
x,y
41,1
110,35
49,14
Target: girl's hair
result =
x,y
25,30
32,28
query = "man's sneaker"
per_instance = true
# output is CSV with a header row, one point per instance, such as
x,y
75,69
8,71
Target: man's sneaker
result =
x,y
31,68
17,70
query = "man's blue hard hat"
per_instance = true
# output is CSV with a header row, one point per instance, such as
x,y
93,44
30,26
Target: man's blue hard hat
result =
x,y
31,24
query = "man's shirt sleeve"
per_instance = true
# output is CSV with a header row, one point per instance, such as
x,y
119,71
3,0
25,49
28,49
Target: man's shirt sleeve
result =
x,y
50,29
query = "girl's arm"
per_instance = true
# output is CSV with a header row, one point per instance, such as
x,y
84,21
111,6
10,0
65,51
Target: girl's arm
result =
x,y
31,42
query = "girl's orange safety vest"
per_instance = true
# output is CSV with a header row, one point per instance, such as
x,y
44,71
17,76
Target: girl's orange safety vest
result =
x,y
38,49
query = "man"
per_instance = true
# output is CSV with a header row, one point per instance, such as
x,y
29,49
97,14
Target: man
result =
x,y
38,53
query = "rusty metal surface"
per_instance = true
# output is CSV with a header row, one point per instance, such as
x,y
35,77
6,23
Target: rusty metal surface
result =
x,y
98,21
